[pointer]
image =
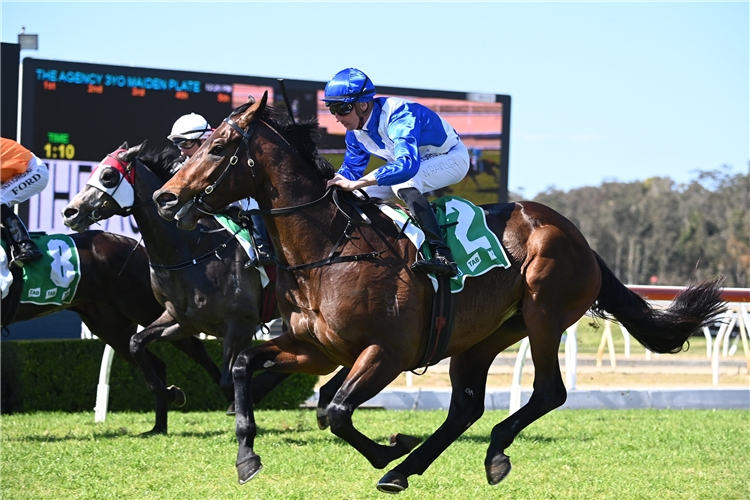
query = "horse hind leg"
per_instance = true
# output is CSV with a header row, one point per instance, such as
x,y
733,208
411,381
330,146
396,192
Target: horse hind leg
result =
x,y
468,374
549,393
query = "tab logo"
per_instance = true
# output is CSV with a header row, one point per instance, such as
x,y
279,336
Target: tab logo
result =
x,y
474,261
50,293
35,292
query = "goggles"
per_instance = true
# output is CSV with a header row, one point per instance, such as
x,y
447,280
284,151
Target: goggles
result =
x,y
340,108
185,143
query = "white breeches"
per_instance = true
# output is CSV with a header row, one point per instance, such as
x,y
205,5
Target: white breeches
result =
x,y
435,172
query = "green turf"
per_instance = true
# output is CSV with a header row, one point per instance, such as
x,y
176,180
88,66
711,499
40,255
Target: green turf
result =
x,y
581,454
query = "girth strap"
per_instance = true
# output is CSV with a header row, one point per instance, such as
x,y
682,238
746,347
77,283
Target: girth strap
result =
x,y
441,326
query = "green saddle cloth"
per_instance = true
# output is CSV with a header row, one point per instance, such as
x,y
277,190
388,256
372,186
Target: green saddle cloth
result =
x,y
53,279
475,248
243,238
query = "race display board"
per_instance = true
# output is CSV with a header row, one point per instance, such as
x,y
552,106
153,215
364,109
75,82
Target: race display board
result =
x,y
73,114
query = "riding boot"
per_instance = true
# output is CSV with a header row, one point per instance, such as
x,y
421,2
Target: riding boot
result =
x,y
442,258
265,255
27,249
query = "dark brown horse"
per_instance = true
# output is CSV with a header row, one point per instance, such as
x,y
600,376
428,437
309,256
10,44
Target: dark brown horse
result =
x,y
373,314
198,276
113,297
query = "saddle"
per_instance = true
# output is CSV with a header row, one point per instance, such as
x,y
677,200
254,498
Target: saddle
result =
x,y
11,301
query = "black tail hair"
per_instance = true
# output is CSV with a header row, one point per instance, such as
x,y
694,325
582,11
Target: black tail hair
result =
x,y
659,330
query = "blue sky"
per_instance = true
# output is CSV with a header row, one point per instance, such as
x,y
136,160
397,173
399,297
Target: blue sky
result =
x,y
600,90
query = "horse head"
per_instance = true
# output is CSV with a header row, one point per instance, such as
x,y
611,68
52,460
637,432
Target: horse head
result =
x,y
208,182
109,191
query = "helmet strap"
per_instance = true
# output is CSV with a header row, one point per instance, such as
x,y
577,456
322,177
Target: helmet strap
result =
x,y
361,114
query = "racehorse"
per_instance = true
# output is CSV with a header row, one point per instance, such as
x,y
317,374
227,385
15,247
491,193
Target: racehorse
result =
x,y
197,276
353,300
113,297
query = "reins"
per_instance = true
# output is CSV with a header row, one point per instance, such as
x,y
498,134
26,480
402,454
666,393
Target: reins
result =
x,y
198,260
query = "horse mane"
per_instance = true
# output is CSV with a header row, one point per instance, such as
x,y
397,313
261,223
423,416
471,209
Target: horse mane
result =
x,y
301,136
162,163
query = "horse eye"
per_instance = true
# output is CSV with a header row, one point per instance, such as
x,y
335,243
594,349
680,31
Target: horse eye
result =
x,y
108,178
217,149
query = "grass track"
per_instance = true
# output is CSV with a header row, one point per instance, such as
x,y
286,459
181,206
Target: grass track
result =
x,y
591,454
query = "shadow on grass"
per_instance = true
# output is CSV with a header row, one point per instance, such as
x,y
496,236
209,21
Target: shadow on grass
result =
x,y
41,438
204,434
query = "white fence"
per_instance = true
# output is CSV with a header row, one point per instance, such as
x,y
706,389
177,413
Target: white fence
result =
x,y
738,313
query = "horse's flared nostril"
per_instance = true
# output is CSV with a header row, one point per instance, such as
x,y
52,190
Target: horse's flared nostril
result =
x,y
70,212
165,199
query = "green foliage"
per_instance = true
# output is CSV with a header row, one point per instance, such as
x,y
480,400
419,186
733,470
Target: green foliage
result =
x,y
567,454
63,375
657,228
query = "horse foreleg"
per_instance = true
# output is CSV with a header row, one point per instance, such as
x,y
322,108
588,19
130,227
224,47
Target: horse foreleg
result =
x,y
326,394
111,326
468,374
283,355
371,373
162,328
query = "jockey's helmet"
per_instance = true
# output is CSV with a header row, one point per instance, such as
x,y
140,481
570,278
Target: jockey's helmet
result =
x,y
188,127
349,85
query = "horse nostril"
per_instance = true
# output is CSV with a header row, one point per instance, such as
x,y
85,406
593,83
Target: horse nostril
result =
x,y
165,199
69,213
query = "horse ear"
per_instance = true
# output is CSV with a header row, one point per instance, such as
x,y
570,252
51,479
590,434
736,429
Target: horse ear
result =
x,y
133,152
124,145
255,111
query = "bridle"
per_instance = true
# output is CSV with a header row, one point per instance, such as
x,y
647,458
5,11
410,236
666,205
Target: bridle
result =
x,y
200,204
199,200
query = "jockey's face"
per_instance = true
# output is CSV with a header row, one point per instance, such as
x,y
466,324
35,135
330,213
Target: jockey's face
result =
x,y
192,149
351,121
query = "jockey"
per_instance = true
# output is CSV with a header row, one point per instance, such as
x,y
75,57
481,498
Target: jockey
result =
x,y
189,132
23,176
422,151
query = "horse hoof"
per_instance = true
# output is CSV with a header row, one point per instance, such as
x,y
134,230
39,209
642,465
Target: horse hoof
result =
x,y
249,469
230,410
405,441
321,414
497,469
179,397
393,483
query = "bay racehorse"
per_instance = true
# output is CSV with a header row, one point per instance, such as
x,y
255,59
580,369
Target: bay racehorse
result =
x,y
369,311
113,297
199,277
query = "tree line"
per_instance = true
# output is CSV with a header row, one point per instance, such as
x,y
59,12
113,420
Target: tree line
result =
x,y
661,232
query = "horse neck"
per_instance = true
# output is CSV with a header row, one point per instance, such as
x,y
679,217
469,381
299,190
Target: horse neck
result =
x,y
309,234
165,242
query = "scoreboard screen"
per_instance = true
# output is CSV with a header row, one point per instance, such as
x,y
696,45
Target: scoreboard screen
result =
x,y
73,114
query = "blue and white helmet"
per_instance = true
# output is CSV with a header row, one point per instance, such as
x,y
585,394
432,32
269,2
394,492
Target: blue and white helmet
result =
x,y
349,85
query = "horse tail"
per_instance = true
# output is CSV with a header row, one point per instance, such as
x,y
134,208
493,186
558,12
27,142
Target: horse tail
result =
x,y
659,330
